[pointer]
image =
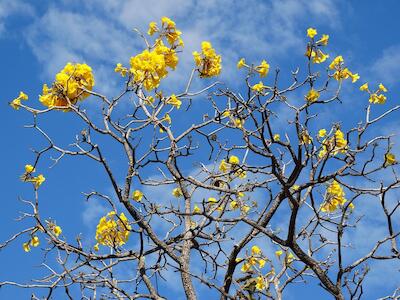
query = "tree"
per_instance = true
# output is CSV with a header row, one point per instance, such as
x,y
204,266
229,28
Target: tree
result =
x,y
240,185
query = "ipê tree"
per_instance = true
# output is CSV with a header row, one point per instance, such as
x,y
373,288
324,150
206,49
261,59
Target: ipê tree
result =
x,y
257,192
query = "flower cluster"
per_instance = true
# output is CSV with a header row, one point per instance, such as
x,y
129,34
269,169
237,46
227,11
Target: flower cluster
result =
x,y
208,62
340,71
255,259
312,96
16,103
335,196
112,230
262,69
376,97
168,30
233,165
137,195
334,145
28,176
151,65
314,53
69,86
34,242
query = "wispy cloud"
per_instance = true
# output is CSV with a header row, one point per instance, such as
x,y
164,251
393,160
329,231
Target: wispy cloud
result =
x,y
387,66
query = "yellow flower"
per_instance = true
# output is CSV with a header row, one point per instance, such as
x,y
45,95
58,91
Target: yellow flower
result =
x,y
173,100
382,88
196,209
208,62
246,267
239,123
261,263
137,195
322,133
223,166
319,57
241,174
364,87
312,95
278,253
306,138
38,180
152,28
335,196
120,69
35,241
245,209
390,159
259,87
255,250
26,247
240,195
57,230
16,103
234,160
377,99
277,137
234,205
96,247
260,283
290,258
324,40
263,68
167,118
23,96
113,230
68,86
177,192
212,200
29,169
241,63
311,32
337,62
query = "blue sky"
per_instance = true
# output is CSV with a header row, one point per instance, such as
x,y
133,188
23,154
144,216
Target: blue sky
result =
x,y
37,38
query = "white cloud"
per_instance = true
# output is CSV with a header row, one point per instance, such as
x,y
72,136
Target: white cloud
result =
x,y
13,8
387,66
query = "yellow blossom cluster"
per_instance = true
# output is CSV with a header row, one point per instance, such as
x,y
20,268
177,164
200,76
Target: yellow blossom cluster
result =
x,y
289,257
312,96
232,164
151,65
208,62
177,192
27,176
376,97
239,203
34,242
334,145
259,87
168,30
314,53
261,69
69,86
16,103
335,196
255,259
340,71
112,230
137,195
